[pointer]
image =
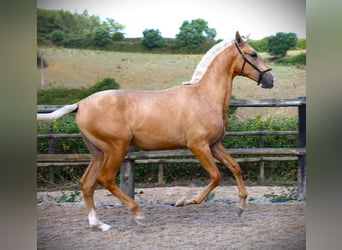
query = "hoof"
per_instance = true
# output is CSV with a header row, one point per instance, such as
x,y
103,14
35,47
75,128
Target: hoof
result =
x,y
140,220
181,202
239,212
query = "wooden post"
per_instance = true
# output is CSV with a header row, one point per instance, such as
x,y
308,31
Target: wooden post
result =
x,y
301,175
262,163
161,174
127,176
51,151
42,70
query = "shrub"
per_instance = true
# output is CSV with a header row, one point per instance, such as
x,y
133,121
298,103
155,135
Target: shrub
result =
x,y
279,44
295,60
101,37
118,36
56,96
57,37
152,39
104,84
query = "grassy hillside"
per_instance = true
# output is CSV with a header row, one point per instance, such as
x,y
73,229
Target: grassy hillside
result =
x,y
75,68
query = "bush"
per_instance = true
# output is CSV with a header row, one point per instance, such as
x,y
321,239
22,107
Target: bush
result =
x,y
57,37
56,96
152,39
271,124
279,44
101,37
104,84
295,60
118,36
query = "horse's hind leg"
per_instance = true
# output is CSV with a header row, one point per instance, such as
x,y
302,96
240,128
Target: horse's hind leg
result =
x,y
88,182
111,166
224,157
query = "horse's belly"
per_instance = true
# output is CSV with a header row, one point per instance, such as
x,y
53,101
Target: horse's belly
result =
x,y
156,141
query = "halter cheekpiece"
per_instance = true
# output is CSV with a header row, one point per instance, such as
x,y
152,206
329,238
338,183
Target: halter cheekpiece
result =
x,y
261,72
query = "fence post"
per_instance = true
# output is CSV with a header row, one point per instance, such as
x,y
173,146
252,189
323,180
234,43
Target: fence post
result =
x,y
262,163
161,174
301,175
127,176
51,151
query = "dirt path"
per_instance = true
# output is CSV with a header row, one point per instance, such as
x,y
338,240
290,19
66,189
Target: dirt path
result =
x,y
211,225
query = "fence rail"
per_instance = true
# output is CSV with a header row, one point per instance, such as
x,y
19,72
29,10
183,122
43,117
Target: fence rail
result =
x,y
235,133
170,156
294,102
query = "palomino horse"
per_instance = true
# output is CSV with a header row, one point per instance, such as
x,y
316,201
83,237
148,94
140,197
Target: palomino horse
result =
x,y
192,115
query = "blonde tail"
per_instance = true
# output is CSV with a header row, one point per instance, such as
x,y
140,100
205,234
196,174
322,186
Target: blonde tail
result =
x,y
57,113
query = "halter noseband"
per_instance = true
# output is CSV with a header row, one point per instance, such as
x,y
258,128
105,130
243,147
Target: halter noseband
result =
x,y
261,72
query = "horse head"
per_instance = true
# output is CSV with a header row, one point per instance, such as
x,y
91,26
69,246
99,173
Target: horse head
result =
x,y
251,63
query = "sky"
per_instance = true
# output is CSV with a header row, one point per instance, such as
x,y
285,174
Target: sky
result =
x,y
259,18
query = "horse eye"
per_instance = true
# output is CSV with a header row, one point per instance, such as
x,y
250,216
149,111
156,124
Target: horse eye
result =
x,y
254,55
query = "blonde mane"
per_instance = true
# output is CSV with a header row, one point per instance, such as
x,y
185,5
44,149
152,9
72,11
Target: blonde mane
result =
x,y
202,66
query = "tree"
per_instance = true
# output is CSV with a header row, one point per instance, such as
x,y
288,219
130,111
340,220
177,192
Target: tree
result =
x,y
194,35
114,26
279,44
259,45
301,43
152,39
75,30
101,37
57,37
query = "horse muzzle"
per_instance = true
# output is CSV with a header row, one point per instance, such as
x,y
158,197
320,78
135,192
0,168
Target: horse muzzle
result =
x,y
266,80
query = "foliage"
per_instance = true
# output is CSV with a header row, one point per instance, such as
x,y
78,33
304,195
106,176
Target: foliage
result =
x,y
259,45
270,124
209,197
295,60
57,37
73,30
66,198
77,29
152,39
301,44
101,37
104,84
232,110
113,26
195,35
279,44
118,36
286,195
66,96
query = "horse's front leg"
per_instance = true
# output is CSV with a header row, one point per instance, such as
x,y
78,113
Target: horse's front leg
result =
x,y
205,157
220,153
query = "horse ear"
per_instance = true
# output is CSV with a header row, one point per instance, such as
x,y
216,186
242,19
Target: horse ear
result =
x,y
247,37
238,38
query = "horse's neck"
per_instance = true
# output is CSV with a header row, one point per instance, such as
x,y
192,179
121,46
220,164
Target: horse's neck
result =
x,y
217,81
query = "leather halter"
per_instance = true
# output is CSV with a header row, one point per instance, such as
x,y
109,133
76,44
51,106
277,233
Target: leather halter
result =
x,y
261,72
